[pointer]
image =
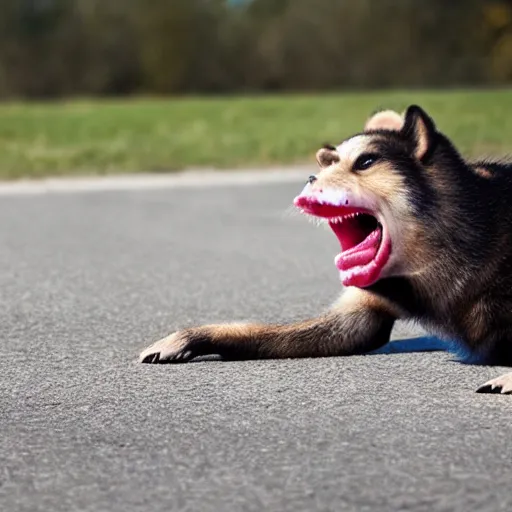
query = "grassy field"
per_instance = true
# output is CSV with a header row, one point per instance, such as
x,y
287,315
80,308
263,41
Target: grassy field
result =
x,y
158,135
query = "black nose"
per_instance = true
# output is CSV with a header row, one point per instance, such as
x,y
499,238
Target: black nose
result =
x,y
312,179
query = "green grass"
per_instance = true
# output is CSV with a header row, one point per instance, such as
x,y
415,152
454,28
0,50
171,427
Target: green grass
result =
x,y
157,135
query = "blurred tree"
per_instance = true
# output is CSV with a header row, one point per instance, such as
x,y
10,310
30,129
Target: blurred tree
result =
x,y
497,30
62,47
28,30
109,49
178,44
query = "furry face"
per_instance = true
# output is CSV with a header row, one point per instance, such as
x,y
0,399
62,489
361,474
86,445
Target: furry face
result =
x,y
377,197
345,195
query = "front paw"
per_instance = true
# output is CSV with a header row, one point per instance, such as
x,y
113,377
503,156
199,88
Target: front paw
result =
x,y
502,384
178,347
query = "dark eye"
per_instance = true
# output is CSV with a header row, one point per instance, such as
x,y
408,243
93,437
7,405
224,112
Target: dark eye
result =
x,y
364,161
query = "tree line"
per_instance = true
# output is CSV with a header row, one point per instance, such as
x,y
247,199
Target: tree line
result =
x,y
55,48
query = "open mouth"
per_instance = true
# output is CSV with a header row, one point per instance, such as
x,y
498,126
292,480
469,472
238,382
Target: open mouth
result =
x,y
365,243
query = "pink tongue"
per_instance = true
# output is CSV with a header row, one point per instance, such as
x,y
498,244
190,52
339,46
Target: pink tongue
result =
x,y
361,254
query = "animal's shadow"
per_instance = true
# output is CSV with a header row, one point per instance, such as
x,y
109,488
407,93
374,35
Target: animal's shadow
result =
x,y
433,344
410,345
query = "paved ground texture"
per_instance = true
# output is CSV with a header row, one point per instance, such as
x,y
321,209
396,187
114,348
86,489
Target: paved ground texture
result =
x,y
88,279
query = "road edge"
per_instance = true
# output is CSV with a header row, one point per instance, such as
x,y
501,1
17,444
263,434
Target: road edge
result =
x,y
148,181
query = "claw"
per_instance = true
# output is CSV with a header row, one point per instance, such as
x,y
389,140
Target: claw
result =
x,y
500,385
172,349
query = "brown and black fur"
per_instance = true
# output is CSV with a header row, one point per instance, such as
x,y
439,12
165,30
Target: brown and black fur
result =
x,y
457,251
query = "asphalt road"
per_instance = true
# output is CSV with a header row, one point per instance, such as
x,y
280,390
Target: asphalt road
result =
x,y
89,279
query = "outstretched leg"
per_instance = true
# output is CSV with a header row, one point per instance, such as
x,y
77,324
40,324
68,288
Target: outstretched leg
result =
x,y
359,323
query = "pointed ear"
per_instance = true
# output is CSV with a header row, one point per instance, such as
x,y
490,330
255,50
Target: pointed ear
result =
x,y
327,156
385,120
419,128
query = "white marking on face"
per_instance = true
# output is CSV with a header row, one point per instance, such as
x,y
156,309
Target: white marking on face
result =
x,y
338,197
352,148
326,195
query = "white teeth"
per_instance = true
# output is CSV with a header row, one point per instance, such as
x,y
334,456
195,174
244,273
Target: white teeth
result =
x,y
335,220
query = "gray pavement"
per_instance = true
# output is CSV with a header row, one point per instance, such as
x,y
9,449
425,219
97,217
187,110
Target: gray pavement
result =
x,y
89,279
